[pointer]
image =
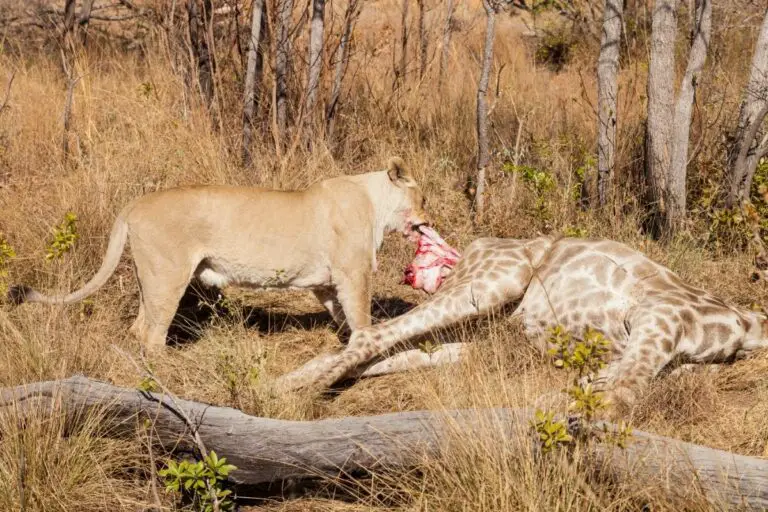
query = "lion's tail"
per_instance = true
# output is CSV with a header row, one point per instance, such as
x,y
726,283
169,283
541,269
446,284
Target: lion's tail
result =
x,y
117,238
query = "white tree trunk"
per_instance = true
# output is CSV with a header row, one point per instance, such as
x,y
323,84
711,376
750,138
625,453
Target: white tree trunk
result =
x,y
252,79
755,99
483,150
266,450
446,45
607,78
315,54
701,34
661,94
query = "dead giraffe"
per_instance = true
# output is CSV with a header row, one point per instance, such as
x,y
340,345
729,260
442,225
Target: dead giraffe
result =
x,y
650,315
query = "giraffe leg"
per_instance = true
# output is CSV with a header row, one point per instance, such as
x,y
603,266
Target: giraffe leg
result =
x,y
648,351
447,307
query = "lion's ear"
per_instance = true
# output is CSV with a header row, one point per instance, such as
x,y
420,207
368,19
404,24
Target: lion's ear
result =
x,y
397,171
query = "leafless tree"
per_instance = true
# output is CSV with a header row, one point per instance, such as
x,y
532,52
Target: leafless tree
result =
x,y
342,61
482,109
282,53
423,43
607,77
252,78
746,151
84,18
668,124
198,21
401,69
446,46
315,53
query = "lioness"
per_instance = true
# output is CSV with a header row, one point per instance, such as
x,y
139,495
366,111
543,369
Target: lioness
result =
x,y
324,237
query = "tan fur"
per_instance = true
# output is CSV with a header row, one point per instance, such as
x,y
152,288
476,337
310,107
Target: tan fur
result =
x,y
648,313
324,238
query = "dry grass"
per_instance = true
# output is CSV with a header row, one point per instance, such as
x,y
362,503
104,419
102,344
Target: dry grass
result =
x,y
130,138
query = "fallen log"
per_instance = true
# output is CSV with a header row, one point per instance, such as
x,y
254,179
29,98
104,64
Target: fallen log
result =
x,y
267,450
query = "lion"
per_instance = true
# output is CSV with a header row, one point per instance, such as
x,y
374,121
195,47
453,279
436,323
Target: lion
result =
x,y
324,238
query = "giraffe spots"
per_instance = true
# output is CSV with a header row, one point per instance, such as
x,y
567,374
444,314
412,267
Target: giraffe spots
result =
x,y
666,345
719,333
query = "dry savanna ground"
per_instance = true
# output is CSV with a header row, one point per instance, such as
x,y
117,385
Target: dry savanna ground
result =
x,y
135,128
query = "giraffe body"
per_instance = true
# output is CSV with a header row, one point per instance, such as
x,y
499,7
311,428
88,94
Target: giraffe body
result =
x,y
648,313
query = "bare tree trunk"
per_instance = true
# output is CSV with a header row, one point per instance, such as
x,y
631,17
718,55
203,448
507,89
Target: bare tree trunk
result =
x,y
198,23
661,83
445,50
252,79
315,53
84,19
400,71
755,99
69,18
482,110
342,60
607,77
700,37
285,10
422,39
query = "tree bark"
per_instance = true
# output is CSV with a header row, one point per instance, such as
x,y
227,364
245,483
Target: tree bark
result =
x,y
661,80
446,46
607,78
701,34
342,60
267,450
198,23
755,98
315,54
69,17
482,110
84,19
252,79
401,70
282,53
423,46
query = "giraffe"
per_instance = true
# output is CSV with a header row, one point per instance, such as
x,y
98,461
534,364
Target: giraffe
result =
x,y
650,315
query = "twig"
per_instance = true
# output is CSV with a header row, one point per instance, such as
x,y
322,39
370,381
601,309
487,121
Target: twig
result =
x,y
7,92
146,372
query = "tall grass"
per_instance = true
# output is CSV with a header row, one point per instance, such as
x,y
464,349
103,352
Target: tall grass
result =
x,y
137,127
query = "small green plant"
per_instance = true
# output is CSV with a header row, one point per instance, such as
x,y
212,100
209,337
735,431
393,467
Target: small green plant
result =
x,y
6,255
200,481
64,237
238,373
542,184
583,359
575,232
552,434
428,347
148,385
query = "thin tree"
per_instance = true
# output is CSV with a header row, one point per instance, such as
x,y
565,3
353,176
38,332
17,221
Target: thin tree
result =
x,y
423,43
198,21
701,34
607,77
317,26
446,45
342,61
483,152
401,69
84,18
746,151
252,78
282,52
668,125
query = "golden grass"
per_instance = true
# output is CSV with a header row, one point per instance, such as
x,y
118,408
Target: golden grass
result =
x,y
129,138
